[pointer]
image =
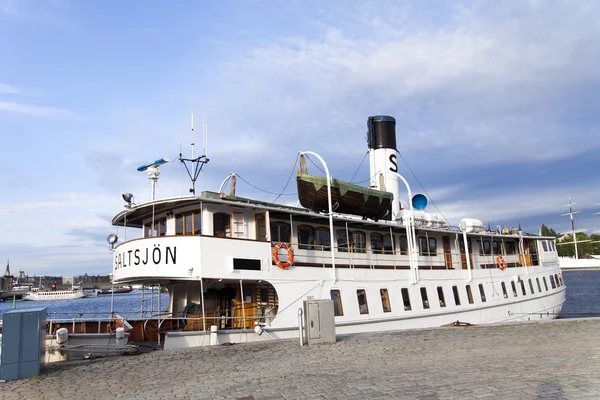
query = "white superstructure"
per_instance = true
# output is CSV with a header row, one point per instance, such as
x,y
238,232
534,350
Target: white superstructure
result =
x,y
214,254
37,295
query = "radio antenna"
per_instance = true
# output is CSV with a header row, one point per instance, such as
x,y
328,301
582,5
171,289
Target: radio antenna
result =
x,y
196,163
192,135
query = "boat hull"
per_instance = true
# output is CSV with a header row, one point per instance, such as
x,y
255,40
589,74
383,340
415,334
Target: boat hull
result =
x,y
53,296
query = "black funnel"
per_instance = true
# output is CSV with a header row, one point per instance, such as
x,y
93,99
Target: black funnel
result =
x,y
382,132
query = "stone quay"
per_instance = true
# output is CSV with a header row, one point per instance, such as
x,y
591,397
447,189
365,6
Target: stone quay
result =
x,y
558,359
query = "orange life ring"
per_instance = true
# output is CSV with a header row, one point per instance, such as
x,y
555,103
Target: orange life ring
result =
x,y
501,262
275,254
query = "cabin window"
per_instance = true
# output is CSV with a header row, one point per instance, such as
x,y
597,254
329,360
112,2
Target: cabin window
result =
x,y
359,242
556,279
531,287
363,307
338,311
545,283
553,246
246,264
197,223
406,299
523,288
385,300
485,249
482,293
306,237
281,232
377,243
388,244
323,239
538,285
469,294
504,292
342,240
544,245
427,247
496,247
423,246
432,247
514,288
148,231
424,298
221,225
179,224
403,243
510,248
188,224
160,227
456,295
440,291
552,282
560,279
261,226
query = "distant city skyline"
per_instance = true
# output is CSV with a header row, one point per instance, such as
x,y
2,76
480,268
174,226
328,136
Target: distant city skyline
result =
x,y
497,108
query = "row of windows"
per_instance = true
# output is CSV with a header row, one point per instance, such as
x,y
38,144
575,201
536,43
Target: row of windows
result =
x,y
311,238
494,247
363,306
555,281
548,245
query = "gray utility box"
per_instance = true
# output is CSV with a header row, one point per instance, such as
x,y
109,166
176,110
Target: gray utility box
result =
x,y
320,321
23,343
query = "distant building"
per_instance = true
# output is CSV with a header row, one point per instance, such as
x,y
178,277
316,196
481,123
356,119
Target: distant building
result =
x,y
566,236
7,279
68,280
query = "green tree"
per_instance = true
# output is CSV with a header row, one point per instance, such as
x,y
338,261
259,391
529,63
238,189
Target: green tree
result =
x,y
595,238
547,231
566,248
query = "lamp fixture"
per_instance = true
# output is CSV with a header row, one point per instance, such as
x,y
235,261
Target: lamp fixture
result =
x,y
112,239
128,197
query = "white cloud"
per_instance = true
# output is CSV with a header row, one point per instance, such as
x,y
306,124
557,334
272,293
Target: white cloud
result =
x,y
489,79
5,88
512,205
39,111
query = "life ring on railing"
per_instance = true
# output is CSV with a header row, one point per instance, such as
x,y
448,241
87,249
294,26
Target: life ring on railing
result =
x,y
501,262
275,254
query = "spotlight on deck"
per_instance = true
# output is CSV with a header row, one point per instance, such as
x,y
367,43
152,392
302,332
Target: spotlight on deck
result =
x,y
112,239
128,197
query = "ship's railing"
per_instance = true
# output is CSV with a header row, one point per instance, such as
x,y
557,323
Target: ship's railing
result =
x,y
361,257
246,318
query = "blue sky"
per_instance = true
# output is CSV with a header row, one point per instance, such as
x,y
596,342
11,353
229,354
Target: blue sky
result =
x,y
497,107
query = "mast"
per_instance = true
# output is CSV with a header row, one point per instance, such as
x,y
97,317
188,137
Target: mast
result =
x,y
573,231
196,163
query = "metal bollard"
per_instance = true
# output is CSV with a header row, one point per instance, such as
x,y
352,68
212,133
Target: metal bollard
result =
x,y
214,340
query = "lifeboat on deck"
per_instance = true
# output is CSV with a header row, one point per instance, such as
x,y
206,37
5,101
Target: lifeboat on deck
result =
x,y
346,198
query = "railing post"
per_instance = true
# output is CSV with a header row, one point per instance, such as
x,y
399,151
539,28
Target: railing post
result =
x,y
331,235
243,309
300,328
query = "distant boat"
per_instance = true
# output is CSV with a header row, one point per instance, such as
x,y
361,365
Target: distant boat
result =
x,y
119,290
91,292
37,295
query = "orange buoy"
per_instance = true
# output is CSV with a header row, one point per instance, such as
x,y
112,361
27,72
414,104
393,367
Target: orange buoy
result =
x,y
275,254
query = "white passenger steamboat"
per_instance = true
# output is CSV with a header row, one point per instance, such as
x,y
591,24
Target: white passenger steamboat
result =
x,y
45,295
244,266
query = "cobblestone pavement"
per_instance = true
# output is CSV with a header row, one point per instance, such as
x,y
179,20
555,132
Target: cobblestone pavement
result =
x,y
551,360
